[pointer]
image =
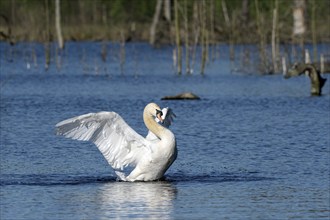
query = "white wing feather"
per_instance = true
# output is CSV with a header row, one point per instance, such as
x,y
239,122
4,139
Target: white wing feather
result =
x,y
118,142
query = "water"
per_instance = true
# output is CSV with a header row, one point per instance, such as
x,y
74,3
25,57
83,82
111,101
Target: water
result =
x,y
254,147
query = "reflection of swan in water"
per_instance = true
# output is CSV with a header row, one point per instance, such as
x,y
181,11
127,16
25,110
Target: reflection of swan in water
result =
x,y
152,200
133,157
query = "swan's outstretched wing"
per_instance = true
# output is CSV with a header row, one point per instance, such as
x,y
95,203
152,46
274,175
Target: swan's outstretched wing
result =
x,y
168,117
118,142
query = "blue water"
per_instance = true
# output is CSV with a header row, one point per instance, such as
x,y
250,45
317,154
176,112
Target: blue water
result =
x,y
253,147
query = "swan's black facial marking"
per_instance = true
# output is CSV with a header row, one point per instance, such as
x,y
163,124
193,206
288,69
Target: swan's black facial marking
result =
x,y
159,115
159,112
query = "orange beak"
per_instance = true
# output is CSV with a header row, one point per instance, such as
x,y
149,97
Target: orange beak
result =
x,y
159,116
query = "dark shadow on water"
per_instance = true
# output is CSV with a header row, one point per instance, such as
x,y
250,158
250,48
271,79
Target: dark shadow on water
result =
x,y
52,180
60,179
227,177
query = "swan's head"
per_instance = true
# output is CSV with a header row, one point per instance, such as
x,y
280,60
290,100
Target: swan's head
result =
x,y
154,110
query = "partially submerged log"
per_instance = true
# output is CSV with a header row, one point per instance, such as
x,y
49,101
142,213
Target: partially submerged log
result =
x,y
317,82
182,96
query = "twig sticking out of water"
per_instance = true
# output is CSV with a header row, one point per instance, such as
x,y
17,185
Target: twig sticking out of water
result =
x,y
34,57
47,55
84,62
322,68
122,52
58,59
104,51
284,66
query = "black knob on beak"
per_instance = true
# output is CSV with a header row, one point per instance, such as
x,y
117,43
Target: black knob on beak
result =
x,y
159,112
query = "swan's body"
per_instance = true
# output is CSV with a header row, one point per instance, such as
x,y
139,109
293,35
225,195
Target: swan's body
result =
x,y
133,157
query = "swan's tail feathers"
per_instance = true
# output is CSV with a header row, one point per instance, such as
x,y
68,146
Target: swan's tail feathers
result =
x,y
121,175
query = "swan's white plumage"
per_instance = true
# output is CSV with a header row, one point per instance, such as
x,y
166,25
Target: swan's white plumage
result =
x,y
122,147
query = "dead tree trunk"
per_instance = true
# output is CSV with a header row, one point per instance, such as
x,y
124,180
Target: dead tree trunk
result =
x,y
229,27
299,22
274,37
155,22
212,35
167,10
298,17
196,32
47,36
203,36
58,24
225,12
177,37
313,29
262,39
187,44
317,82
245,11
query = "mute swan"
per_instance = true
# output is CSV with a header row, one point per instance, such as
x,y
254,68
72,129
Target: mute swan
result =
x,y
133,157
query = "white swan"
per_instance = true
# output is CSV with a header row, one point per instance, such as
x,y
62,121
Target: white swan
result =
x,y
133,157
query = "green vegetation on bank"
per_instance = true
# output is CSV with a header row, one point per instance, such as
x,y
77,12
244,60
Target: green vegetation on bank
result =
x,y
237,21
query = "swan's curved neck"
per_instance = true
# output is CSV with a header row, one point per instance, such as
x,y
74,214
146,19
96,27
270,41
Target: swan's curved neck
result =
x,y
152,125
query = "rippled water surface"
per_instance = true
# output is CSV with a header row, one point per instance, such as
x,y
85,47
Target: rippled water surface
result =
x,y
253,147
